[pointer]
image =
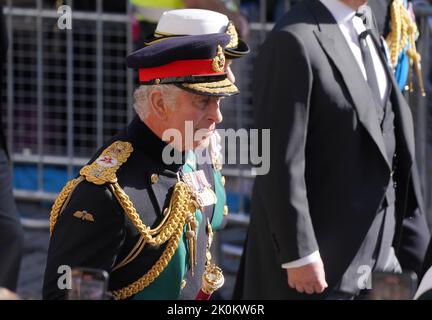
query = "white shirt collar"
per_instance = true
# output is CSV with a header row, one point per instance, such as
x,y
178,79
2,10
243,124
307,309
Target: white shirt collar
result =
x,y
340,11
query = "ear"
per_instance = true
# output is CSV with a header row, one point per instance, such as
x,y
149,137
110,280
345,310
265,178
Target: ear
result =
x,y
230,74
157,104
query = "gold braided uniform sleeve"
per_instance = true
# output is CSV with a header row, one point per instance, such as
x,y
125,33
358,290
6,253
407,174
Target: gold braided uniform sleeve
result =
x,y
88,233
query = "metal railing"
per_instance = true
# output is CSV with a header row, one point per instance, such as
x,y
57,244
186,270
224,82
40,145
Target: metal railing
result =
x,y
67,90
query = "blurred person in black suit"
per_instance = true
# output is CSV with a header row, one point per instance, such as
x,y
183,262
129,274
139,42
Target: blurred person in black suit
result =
x,y
342,178
11,234
416,234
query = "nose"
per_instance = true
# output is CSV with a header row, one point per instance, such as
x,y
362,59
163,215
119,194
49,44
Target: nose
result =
x,y
215,113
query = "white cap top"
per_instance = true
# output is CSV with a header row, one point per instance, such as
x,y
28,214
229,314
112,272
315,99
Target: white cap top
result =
x,y
191,22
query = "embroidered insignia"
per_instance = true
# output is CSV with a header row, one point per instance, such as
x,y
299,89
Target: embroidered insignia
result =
x,y
231,30
106,161
104,168
218,63
84,215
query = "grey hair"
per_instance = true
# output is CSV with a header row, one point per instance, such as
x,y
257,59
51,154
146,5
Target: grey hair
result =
x,y
141,94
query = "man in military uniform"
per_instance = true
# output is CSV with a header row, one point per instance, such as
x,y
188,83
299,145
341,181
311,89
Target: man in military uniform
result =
x,y
190,22
131,211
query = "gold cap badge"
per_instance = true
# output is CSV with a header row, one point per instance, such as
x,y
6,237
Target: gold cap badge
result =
x,y
218,63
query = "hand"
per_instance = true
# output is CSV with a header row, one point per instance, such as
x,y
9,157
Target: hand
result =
x,y
6,294
308,279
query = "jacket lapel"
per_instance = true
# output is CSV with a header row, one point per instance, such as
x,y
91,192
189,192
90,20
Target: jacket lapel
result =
x,y
334,44
400,106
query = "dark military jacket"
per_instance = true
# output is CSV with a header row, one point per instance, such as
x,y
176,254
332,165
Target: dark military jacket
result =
x,y
93,230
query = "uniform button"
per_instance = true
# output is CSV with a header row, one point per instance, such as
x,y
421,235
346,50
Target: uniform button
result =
x,y
225,212
394,185
392,173
183,284
154,178
223,180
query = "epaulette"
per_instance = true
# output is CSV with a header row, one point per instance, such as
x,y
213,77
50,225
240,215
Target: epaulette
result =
x,y
103,169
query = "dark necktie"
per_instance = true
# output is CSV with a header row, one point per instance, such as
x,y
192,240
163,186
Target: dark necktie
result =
x,y
372,79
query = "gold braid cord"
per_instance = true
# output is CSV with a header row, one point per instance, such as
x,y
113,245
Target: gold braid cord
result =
x,y
62,200
172,220
181,209
403,32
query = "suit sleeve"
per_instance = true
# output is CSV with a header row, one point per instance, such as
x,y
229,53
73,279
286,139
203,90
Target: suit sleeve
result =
x,y
414,242
415,233
427,262
78,242
282,92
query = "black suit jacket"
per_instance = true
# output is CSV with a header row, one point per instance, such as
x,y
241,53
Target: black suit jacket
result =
x,y
428,260
329,169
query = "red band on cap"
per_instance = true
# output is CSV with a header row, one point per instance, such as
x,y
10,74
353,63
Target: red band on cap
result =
x,y
180,68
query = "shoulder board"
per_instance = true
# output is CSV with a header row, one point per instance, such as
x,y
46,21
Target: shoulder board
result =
x,y
103,169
